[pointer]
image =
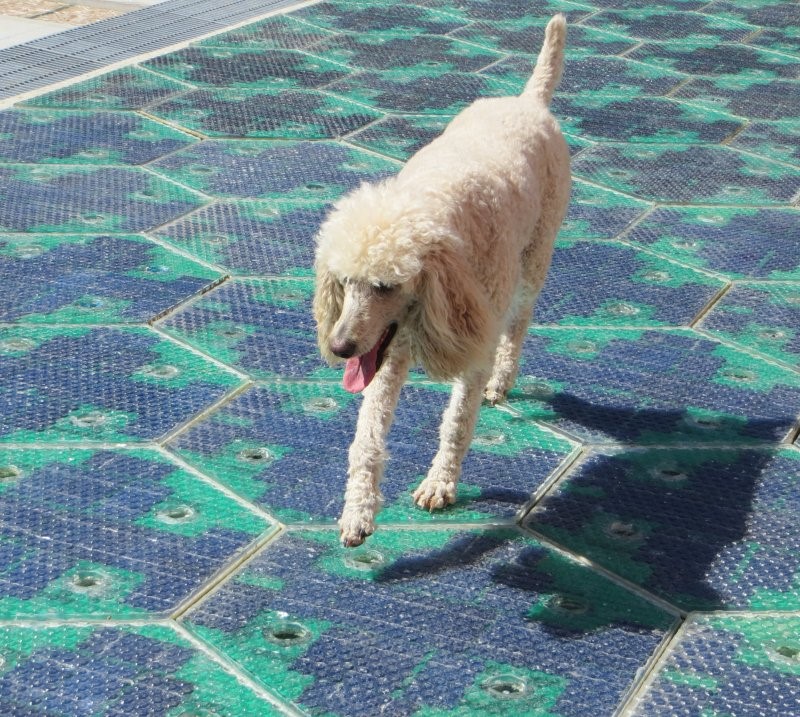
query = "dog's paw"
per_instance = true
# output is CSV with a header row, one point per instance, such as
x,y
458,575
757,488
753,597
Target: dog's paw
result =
x,y
355,526
494,395
435,493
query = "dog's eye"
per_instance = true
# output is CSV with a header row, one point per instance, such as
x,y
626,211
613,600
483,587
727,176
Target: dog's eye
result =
x,y
383,289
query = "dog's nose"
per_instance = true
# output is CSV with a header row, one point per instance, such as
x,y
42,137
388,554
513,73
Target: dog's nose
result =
x,y
343,348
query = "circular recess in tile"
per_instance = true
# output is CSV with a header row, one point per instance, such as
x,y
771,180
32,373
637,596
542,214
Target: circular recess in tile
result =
x,y
255,455
489,439
321,403
16,345
286,632
177,514
88,581
620,530
161,370
364,560
569,604
92,419
506,687
9,473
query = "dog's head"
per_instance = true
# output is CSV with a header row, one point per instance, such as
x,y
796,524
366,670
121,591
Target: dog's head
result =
x,y
386,267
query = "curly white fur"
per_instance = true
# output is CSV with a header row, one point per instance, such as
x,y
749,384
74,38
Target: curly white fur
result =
x,y
453,251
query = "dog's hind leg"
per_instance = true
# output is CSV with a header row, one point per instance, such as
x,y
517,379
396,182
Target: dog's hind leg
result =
x,y
438,489
509,348
362,498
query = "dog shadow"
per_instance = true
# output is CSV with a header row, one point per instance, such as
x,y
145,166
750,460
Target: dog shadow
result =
x,y
675,520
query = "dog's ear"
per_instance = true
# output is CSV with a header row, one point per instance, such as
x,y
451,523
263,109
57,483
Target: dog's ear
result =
x,y
328,301
453,320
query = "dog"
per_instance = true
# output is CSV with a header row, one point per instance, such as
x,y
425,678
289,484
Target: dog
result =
x,y
441,265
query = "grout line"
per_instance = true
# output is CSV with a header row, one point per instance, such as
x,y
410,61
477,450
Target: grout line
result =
x,y
573,460
177,249
187,300
642,682
199,417
710,304
244,502
179,341
235,670
755,353
618,580
220,578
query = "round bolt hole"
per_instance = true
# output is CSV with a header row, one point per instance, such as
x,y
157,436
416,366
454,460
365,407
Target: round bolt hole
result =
x,y
28,251
157,269
255,455
287,632
658,276
315,187
669,474
536,389
215,239
711,218
787,653
582,347
622,309
320,404
90,302
621,530
16,345
772,334
506,687
703,421
568,604
161,371
177,514
742,375
364,560
87,581
93,419
489,439
232,332
9,473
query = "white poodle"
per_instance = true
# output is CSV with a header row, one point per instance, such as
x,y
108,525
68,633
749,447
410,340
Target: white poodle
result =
x,y
442,265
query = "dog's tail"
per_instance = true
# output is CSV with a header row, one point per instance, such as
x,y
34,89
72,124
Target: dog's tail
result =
x,y
550,62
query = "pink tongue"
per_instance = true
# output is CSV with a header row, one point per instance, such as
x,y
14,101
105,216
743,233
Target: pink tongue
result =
x,y
358,372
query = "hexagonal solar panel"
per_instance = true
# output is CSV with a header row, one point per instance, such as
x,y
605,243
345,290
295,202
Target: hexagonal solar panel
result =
x,y
676,173
285,446
88,199
111,533
128,88
122,669
280,170
728,664
600,386
43,136
763,317
270,237
101,384
90,279
480,615
704,528
283,114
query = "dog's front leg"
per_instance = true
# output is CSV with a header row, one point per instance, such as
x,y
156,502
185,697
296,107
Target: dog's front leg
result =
x,y
458,423
362,498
